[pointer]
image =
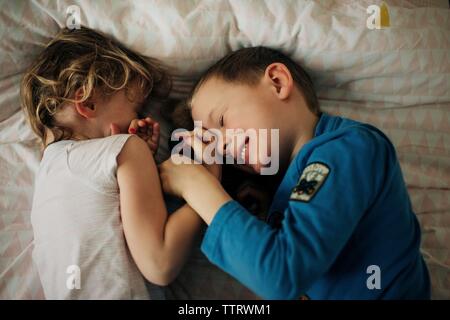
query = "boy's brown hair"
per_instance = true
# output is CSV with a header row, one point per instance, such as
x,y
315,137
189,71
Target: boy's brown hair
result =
x,y
87,59
247,66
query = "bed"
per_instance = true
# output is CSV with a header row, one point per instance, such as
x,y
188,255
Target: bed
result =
x,y
396,78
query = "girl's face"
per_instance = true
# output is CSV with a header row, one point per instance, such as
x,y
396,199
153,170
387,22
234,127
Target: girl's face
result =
x,y
222,105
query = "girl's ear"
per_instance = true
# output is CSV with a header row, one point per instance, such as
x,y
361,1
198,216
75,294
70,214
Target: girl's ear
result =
x,y
86,109
280,78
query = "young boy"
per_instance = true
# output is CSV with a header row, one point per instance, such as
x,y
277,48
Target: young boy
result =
x,y
341,224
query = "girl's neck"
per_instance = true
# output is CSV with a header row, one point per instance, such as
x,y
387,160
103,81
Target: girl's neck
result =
x,y
50,137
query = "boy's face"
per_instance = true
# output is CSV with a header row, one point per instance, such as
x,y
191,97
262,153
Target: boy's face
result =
x,y
223,105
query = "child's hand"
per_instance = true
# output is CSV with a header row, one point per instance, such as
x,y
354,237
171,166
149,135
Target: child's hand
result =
x,y
193,182
177,172
198,148
148,130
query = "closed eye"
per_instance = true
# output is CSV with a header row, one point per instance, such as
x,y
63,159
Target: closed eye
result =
x,y
221,120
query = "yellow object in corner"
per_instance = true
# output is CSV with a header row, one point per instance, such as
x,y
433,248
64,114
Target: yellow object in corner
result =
x,y
384,15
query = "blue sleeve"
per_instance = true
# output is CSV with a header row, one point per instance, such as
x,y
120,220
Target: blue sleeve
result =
x,y
283,263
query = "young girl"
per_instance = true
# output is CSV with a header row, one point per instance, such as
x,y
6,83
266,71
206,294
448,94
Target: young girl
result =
x,y
98,189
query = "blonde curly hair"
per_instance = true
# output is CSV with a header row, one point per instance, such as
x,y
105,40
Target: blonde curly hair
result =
x,y
87,59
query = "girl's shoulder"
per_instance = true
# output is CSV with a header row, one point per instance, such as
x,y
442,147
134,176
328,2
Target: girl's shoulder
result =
x,y
92,160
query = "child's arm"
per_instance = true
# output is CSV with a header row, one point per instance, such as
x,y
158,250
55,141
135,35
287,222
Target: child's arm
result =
x,y
283,262
159,245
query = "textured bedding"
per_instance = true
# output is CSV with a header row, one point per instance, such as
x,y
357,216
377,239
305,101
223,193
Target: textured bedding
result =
x,y
397,79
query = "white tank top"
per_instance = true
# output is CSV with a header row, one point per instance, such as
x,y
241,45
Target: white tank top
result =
x,y
78,234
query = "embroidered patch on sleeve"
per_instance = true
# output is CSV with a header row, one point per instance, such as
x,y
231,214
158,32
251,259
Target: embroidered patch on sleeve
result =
x,y
312,178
